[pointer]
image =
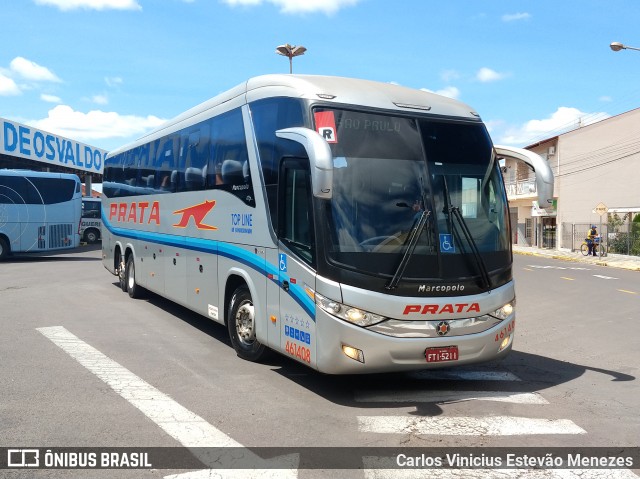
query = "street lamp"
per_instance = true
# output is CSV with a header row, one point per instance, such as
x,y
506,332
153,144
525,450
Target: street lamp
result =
x,y
617,46
290,51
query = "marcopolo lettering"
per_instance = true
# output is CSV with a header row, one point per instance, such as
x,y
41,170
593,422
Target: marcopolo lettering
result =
x,y
441,308
41,146
424,288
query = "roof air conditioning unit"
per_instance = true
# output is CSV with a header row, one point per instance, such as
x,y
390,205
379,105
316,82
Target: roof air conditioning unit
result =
x,y
551,150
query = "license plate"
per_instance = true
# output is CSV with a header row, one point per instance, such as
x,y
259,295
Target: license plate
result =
x,y
438,355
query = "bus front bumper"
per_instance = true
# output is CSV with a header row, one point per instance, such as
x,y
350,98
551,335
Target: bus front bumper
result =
x,y
349,349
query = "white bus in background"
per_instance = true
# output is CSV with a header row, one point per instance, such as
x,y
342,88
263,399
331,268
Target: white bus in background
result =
x,y
91,222
352,226
39,211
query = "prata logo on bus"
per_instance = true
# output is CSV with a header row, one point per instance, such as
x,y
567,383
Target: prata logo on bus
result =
x,y
139,212
442,328
427,309
197,212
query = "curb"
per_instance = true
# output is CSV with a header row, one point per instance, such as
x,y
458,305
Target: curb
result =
x,y
578,260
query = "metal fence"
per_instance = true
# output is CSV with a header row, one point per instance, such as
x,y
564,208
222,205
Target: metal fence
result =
x,y
624,239
574,234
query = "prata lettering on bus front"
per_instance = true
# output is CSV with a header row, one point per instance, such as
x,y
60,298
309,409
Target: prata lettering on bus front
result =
x,y
442,308
40,146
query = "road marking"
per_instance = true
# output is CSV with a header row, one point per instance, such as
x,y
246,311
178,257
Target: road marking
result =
x,y
467,426
448,396
466,375
568,279
626,291
604,277
184,426
576,268
527,269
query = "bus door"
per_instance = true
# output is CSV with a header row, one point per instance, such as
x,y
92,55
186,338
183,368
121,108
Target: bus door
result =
x,y
296,257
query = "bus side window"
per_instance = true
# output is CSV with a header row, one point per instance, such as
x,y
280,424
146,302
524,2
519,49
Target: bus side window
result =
x,y
167,177
228,167
193,157
295,205
13,190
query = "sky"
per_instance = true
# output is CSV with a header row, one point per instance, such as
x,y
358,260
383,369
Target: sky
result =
x,y
105,72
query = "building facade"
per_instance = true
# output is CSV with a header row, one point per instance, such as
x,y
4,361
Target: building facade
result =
x,y
25,147
597,181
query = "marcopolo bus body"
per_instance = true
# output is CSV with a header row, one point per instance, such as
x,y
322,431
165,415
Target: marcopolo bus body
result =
x,y
350,225
91,221
39,211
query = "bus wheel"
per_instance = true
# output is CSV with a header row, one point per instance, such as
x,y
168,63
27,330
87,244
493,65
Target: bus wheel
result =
x,y
134,290
242,326
122,273
91,236
4,249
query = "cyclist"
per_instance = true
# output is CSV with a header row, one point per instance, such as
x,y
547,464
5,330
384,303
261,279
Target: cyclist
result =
x,y
592,237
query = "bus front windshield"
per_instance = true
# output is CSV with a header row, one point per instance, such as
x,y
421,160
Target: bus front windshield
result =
x,y
388,170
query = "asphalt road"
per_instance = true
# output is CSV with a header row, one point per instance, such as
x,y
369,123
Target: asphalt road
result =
x,y
83,365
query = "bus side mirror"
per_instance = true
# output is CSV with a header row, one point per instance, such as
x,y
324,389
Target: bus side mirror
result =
x,y
320,158
544,175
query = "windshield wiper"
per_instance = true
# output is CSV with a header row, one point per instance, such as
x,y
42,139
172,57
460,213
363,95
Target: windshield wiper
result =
x,y
484,274
410,243
454,211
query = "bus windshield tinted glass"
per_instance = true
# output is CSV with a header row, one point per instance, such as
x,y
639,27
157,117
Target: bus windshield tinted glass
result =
x,y
388,170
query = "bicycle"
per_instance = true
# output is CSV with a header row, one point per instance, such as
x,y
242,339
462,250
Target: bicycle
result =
x,y
584,248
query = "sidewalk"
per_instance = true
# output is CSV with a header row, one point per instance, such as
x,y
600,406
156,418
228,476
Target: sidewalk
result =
x,y
612,260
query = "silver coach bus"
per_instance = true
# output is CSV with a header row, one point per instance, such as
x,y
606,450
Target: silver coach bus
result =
x,y
353,226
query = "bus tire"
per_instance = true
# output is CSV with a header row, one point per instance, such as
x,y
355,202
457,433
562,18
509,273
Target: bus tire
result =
x,y
133,289
121,272
241,323
4,249
91,236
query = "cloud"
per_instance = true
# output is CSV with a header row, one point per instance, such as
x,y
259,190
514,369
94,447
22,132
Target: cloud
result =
x,y
100,99
94,125
113,81
486,75
514,17
328,7
449,75
66,5
32,71
8,87
562,120
50,98
449,92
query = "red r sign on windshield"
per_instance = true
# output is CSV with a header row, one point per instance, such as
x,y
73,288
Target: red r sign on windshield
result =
x,y
326,125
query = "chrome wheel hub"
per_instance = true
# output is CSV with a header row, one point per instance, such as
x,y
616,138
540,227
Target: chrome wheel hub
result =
x,y
245,323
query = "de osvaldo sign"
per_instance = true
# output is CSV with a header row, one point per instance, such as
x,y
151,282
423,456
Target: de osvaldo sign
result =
x,y
30,143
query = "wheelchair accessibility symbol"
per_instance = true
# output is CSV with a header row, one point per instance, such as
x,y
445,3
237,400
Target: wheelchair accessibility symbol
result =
x,y
446,243
282,263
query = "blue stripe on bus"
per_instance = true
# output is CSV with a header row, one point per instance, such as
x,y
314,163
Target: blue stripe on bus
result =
x,y
227,250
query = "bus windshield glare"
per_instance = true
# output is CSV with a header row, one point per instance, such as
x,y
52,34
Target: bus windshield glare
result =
x,y
388,169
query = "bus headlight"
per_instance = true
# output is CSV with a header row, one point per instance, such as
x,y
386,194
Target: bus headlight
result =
x,y
506,311
350,314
